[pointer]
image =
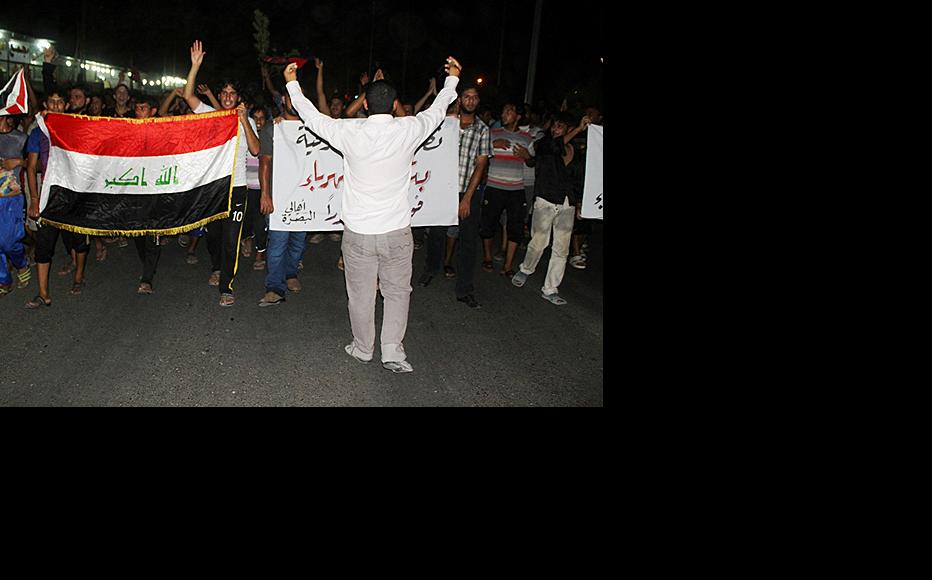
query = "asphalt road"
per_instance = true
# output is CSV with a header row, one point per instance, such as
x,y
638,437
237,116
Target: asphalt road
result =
x,y
177,347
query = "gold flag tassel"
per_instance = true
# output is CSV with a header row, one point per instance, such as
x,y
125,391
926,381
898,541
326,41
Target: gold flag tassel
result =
x,y
133,233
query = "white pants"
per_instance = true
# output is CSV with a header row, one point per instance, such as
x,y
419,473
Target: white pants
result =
x,y
560,219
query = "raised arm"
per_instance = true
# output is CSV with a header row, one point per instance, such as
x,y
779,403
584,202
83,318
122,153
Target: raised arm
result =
x,y
48,70
205,90
314,120
322,103
168,100
197,58
433,116
431,90
356,105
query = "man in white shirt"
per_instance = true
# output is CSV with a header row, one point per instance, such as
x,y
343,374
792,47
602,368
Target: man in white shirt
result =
x,y
223,236
377,243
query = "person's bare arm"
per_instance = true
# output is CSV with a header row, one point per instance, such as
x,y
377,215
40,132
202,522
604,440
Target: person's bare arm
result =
x,y
267,83
32,167
570,135
266,206
431,90
356,105
252,140
322,103
205,90
482,163
197,59
168,100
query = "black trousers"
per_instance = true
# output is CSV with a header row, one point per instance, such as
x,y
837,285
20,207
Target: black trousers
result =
x,y
223,239
496,201
467,248
47,237
256,225
149,251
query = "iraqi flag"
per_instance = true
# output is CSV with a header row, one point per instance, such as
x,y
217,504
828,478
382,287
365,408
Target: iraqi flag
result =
x,y
13,96
134,177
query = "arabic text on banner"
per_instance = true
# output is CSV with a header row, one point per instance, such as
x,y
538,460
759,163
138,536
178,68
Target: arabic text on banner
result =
x,y
308,180
592,191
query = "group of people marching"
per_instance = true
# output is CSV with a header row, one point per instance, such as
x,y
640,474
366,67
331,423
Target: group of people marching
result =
x,y
521,175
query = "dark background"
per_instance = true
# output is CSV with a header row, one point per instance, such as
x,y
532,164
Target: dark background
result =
x,y
409,39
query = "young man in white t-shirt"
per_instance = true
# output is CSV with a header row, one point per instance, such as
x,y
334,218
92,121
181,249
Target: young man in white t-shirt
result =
x,y
223,237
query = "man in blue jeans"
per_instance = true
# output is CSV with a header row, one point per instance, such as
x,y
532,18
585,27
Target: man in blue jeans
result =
x,y
284,249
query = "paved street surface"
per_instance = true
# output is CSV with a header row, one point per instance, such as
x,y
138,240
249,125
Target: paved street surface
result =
x,y
177,347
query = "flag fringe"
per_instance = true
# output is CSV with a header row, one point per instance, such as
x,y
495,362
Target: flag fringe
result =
x,y
133,233
175,119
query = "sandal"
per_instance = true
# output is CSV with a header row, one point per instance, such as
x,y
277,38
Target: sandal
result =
x,y
487,266
507,273
247,248
227,300
66,269
4,290
77,288
449,272
24,277
38,302
258,265
144,288
101,254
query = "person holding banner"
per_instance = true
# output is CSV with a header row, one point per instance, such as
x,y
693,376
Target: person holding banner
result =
x,y
377,244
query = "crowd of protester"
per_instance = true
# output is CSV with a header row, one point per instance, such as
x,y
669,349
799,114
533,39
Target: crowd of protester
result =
x,y
521,175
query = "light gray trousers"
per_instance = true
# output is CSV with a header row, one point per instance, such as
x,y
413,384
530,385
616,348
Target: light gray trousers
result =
x,y
383,259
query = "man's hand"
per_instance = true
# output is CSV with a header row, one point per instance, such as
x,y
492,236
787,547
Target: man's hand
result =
x,y
364,79
501,143
265,204
11,164
50,54
453,67
202,90
242,113
432,86
584,123
291,72
464,207
179,92
277,120
522,152
34,207
318,63
379,75
197,53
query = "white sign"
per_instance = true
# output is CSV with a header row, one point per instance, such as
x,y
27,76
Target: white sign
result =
x,y
308,180
592,191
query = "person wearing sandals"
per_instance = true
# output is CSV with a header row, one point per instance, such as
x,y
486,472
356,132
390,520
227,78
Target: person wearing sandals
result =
x,y
558,185
377,243
474,151
148,247
224,236
505,189
285,249
12,227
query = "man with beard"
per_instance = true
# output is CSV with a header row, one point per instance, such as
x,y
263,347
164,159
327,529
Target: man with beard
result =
x,y
475,150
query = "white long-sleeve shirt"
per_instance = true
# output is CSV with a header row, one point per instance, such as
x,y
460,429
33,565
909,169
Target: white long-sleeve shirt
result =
x,y
377,155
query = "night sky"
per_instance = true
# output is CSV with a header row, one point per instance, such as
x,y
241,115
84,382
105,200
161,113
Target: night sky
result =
x,y
349,37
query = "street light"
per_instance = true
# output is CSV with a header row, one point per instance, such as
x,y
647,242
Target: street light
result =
x,y
479,81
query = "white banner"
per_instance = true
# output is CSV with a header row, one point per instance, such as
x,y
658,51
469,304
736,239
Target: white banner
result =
x,y
307,180
592,191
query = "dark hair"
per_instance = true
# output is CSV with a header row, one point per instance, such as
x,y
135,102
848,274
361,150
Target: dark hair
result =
x,y
380,96
565,118
151,101
463,87
232,83
82,88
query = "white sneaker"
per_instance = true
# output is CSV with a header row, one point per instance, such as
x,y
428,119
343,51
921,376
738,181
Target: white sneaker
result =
x,y
398,366
354,352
